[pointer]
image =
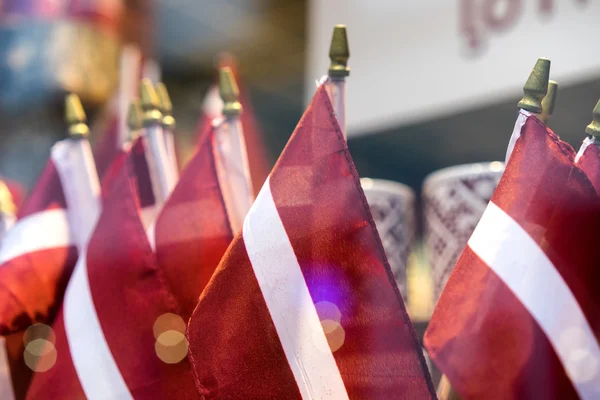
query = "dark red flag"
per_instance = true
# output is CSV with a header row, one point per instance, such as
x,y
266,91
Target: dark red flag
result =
x,y
303,303
118,334
193,230
520,315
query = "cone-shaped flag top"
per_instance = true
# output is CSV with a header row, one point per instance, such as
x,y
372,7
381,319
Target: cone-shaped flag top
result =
x,y
150,104
339,53
549,102
135,116
536,87
165,106
75,116
594,127
228,89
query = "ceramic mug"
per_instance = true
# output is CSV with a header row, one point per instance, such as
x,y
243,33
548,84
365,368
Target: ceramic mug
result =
x,y
454,199
392,205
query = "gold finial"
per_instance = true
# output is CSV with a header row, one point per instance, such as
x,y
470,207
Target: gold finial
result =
x,y
135,116
166,107
548,102
536,87
150,104
594,128
229,92
339,53
75,117
7,204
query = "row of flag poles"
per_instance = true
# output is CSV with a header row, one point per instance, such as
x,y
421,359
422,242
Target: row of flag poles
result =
x,y
122,276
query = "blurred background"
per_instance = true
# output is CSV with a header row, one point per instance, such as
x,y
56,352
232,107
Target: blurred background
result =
x,y
434,83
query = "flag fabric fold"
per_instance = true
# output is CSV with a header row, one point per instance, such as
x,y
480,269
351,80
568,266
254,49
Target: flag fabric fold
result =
x,y
519,316
303,304
192,230
108,334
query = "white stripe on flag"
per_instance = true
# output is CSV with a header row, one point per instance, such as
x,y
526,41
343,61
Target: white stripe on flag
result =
x,y
516,258
6,388
288,300
96,368
40,231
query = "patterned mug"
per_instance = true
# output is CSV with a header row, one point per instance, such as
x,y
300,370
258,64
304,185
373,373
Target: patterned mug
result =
x,y
454,199
392,205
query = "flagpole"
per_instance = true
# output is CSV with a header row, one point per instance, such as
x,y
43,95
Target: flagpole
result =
x,y
77,170
168,124
548,102
232,159
534,91
159,165
339,53
131,59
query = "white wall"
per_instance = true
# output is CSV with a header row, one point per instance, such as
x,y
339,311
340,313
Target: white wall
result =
x,y
411,59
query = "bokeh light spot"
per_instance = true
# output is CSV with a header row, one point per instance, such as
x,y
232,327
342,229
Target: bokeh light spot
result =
x,y
334,333
39,331
168,322
171,347
40,355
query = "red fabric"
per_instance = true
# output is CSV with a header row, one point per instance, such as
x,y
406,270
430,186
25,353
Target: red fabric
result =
x,y
480,335
234,347
129,293
590,164
193,230
32,285
47,193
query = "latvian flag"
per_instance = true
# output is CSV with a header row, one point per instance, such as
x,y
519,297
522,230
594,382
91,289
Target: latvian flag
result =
x,y
38,253
520,315
120,334
303,304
